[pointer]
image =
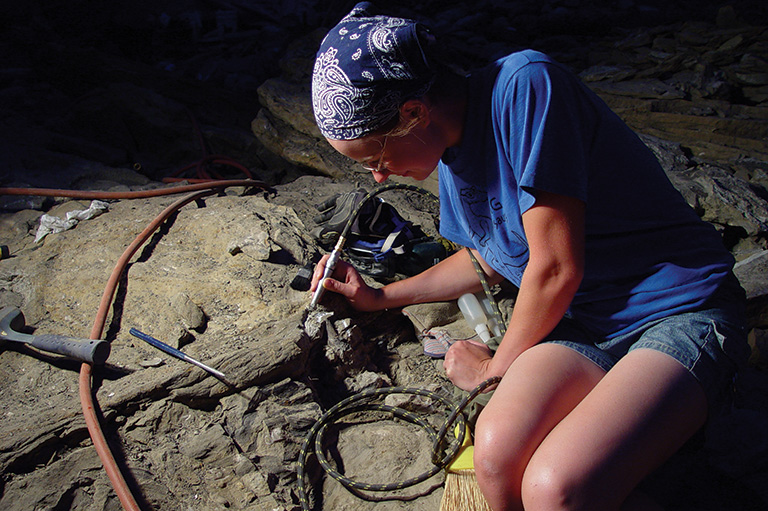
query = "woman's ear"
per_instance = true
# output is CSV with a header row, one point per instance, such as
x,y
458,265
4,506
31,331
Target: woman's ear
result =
x,y
415,111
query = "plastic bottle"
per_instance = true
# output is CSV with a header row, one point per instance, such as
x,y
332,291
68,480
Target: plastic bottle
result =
x,y
493,324
473,313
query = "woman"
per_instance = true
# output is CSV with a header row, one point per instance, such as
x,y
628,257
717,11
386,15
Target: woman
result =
x,y
627,328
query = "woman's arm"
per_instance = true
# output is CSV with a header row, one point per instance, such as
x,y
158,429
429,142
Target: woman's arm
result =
x,y
554,227
447,280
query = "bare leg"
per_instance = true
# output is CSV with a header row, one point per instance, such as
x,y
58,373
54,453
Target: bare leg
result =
x,y
634,419
540,388
561,434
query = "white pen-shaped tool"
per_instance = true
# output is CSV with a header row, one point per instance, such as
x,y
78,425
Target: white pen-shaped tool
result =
x,y
330,264
176,353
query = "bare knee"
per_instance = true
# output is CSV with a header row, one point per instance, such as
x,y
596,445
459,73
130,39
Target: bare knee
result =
x,y
508,483
553,489
498,471
546,487
492,463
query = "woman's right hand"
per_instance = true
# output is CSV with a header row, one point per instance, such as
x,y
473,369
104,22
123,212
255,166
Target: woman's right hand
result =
x,y
346,281
467,364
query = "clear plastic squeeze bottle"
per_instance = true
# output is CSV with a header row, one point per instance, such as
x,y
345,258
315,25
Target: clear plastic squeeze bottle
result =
x,y
473,313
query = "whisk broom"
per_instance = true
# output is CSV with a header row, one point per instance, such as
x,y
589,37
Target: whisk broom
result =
x,y
461,492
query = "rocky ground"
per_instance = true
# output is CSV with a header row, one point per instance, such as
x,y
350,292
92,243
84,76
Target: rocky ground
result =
x,y
118,98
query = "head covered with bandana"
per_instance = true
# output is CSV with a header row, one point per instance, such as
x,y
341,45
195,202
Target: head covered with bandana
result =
x,y
366,68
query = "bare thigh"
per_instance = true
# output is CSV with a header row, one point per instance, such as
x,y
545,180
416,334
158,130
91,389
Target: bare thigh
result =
x,y
540,388
633,419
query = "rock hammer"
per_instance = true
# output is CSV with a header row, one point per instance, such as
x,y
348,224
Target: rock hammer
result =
x,y
94,351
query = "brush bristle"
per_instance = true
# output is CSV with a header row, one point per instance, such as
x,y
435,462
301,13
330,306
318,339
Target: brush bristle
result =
x,y
303,278
461,492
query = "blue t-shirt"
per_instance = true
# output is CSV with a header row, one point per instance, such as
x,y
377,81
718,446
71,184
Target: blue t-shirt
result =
x,y
532,125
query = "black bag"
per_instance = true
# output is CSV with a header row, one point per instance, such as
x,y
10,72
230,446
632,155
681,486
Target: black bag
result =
x,y
381,242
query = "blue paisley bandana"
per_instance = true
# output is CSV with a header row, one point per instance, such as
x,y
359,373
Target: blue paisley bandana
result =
x,y
367,66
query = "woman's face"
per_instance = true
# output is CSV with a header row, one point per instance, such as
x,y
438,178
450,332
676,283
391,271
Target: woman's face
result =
x,y
414,155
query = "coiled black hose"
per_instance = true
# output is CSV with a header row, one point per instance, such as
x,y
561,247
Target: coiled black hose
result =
x,y
362,402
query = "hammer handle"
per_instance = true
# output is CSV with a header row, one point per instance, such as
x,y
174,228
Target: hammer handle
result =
x,y
92,351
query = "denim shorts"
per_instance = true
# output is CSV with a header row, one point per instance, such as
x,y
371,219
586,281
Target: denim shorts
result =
x,y
711,342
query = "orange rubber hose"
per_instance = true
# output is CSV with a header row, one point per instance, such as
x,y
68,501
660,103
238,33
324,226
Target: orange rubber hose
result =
x,y
141,194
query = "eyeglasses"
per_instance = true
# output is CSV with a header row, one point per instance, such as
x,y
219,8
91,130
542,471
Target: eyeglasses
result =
x,y
380,162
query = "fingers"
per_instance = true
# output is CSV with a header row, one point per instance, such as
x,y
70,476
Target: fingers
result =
x,y
343,272
472,346
347,282
479,344
324,216
317,274
466,362
327,204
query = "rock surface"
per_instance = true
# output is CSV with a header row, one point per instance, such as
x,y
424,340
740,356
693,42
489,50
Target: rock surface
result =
x,y
117,99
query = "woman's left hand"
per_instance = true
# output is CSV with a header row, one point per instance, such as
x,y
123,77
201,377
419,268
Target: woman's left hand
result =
x,y
467,364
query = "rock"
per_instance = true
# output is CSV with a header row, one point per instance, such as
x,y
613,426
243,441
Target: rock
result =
x,y
756,94
190,314
298,148
753,275
291,103
723,199
152,362
758,341
728,18
611,73
173,414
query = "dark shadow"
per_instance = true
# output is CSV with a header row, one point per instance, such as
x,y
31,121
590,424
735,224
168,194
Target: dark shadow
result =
x,y
150,246
117,306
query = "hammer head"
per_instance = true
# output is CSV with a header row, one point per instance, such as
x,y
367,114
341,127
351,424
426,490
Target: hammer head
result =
x,y
11,322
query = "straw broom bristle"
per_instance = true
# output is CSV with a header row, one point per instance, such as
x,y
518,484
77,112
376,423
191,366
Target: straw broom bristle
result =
x,y
462,493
